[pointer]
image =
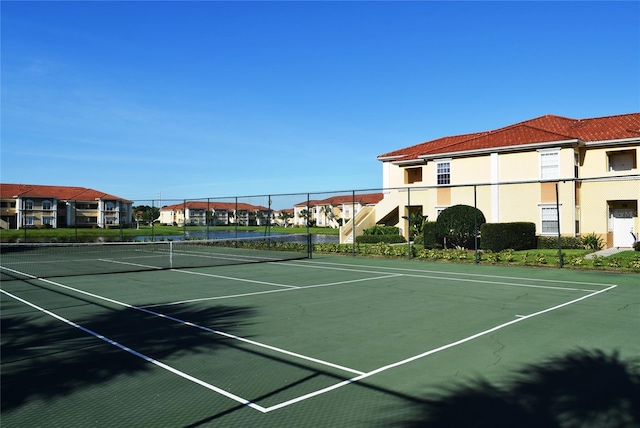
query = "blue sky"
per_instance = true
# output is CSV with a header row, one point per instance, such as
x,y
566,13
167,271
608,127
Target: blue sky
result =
x,y
206,99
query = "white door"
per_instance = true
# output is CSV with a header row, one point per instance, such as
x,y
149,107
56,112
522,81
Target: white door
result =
x,y
622,229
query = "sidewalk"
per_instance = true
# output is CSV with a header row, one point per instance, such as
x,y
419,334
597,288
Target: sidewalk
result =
x,y
608,252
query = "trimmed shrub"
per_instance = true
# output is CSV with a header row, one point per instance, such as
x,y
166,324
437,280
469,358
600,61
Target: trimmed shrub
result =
x,y
430,234
566,242
457,225
637,246
374,239
502,236
382,230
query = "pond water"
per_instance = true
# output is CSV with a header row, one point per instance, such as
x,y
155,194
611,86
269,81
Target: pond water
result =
x,y
230,234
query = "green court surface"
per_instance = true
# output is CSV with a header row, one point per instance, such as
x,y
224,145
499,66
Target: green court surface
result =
x,y
323,342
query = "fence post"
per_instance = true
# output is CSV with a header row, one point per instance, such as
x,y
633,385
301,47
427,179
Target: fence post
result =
x,y
560,261
409,222
475,224
208,216
153,204
353,223
184,219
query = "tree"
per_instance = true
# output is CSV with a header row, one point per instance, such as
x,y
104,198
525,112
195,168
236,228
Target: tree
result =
x,y
284,217
306,215
327,211
146,213
459,225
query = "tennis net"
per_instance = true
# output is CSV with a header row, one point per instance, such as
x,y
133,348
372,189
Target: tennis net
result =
x,y
46,260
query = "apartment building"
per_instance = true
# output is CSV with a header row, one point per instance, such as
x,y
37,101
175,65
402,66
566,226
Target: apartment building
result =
x,y
573,176
193,213
31,205
334,210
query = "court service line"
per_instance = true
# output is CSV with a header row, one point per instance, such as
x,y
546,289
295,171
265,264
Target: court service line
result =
x,y
431,352
128,263
210,330
307,262
140,355
234,279
231,296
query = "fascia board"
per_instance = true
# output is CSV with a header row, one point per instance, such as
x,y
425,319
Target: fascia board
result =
x,y
624,141
514,148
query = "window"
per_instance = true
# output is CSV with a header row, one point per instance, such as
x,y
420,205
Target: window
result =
x,y
443,172
47,205
549,220
623,160
110,220
412,175
549,164
28,204
47,220
28,220
110,206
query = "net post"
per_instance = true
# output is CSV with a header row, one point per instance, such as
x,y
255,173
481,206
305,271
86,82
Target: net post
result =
x,y
171,254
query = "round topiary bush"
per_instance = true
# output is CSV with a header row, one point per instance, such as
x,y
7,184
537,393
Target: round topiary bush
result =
x,y
459,225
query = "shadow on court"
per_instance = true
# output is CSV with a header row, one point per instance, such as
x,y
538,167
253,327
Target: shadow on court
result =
x,y
580,389
45,358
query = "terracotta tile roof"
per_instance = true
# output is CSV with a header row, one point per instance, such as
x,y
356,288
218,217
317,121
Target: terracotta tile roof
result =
x,y
544,129
65,193
362,199
216,206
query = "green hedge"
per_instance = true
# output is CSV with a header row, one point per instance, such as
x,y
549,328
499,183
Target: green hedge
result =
x,y
430,233
566,242
374,239
502,236
382,230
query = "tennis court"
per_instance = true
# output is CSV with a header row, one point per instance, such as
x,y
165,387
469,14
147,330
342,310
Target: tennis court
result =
x,y
322,341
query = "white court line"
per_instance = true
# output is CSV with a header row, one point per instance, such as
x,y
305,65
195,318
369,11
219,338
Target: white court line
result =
x,y
128,263
361,375
430,352
210,330
234,278
231,296
309,262
140,355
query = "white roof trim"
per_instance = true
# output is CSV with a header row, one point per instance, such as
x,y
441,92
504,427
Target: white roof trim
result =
x,y
613,142
501,149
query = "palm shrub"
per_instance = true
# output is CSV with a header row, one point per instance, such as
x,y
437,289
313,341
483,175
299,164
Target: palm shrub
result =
x,y
592,242
459,224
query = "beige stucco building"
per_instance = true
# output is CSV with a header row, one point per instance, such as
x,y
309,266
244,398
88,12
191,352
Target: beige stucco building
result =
x,y
200,213
582,172
35,206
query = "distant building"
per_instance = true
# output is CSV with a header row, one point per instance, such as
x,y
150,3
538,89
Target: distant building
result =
x,y
36,206
194,213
